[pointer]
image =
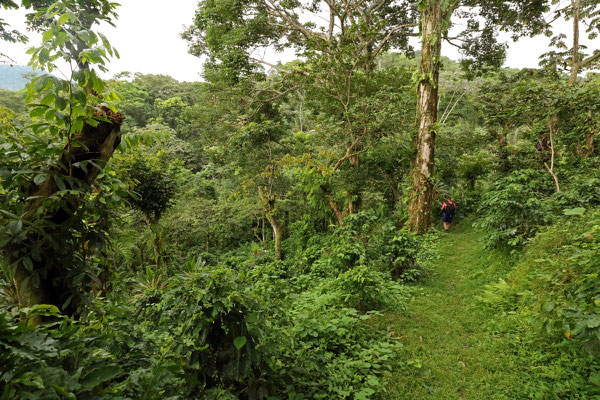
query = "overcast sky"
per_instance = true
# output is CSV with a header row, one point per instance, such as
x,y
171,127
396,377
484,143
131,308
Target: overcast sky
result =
x,y
147,38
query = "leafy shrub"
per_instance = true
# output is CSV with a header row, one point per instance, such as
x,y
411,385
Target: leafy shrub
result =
x,y
366,238
203,318
367,289
549,307
331,352
295,329
61,359
569,274
514,208
396,251
343,252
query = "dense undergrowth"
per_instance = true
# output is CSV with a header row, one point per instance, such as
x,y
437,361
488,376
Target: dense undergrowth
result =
x,y
548,306
295,329
517,206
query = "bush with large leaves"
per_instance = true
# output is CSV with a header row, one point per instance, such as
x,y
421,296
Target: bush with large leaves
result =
x,y
62,359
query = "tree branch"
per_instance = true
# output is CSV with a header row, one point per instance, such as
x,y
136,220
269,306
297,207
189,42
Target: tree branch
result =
x,y
389,35
590,60
278,68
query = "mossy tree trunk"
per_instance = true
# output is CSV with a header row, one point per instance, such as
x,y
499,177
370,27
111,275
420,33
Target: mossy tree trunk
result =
x,y
419,210
43,281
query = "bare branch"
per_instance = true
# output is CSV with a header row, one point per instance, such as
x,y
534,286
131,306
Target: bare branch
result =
x,y
446,116
389,36
331,21
278,68
590,60
293,22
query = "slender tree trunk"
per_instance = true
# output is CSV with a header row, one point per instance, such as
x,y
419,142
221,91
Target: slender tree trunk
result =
x,y
589,142
44,281
576,65
160,260
334,207
576,5
269,203
551,127
419,210
277,235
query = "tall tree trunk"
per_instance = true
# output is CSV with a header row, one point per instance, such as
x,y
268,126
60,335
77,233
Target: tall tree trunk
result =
x,y
419,210
269,202
277,235
576,5
43,281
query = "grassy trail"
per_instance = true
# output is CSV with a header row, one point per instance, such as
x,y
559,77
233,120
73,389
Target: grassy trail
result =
x,y
453,355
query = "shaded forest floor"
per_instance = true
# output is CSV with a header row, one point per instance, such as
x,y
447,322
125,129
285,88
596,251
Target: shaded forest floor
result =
x,y
450,352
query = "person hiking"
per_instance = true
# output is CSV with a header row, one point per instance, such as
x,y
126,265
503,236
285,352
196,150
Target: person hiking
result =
x,y
448,211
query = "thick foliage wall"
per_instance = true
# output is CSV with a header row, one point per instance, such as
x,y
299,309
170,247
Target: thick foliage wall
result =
x,y
555,287
297,329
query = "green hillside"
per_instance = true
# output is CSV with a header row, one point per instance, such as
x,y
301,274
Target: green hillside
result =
x,y
11,76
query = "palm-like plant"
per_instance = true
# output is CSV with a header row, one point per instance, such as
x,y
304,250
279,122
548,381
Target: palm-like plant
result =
x,y
8,290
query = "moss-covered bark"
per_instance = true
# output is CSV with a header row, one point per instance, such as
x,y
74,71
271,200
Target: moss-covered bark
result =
x,y
42,281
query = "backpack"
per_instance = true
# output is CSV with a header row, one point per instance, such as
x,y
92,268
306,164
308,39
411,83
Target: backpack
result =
x,y
450,209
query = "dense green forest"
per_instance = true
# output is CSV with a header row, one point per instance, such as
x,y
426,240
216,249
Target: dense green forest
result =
x,y
273,231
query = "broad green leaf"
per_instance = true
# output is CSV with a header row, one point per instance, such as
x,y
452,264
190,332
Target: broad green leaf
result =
x,y
574,211
99,375
47,35
30,379
47,99
63,18
37,112
239,342
59,182
44,56
28,263
252,318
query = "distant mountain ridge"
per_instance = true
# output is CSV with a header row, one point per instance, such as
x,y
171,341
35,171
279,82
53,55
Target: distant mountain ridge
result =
x,y
11,76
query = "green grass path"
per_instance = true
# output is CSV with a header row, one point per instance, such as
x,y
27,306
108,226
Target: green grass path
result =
x,y
453,355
